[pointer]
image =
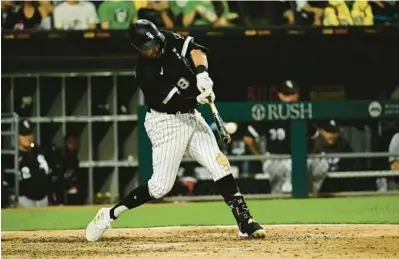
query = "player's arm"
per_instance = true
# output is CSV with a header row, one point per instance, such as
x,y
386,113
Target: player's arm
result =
x,y
204,82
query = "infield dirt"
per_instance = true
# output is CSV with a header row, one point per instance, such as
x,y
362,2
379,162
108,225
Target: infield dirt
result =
x,y
289,241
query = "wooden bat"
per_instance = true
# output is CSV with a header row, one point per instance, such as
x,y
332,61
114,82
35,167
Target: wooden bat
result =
x,y
224,136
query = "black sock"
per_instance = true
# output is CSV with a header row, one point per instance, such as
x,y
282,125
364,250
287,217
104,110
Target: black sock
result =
x,y
232,196
135,198
227,187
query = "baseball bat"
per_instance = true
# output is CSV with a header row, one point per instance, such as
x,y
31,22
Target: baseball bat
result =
x,y
224,136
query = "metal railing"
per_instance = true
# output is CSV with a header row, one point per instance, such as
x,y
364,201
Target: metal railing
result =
x,y
13,150
341,174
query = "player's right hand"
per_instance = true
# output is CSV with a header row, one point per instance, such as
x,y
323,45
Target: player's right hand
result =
x,y
206,97
204,82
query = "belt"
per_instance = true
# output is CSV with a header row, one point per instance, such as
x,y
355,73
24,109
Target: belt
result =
x,y
190,111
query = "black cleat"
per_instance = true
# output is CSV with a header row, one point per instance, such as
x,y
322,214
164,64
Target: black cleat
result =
x,y
247,225
251,229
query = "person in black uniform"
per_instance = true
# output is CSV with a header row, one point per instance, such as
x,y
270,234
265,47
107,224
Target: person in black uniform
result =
x,y
277,135
172,72
65,172
34,183
329,140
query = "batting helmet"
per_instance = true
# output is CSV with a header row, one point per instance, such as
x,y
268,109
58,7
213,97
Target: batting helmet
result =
x,y
144,35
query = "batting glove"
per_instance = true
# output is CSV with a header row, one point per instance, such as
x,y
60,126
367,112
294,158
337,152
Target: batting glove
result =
x,y
204,82
206,97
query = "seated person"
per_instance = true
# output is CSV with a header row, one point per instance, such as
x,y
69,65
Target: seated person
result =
x,y
75,15
26,15
337,13
116,14
329,140
385,12
305,12
204,13
157,12
362,13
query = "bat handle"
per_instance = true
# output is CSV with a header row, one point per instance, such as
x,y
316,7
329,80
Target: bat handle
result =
x,y
213,108
226,139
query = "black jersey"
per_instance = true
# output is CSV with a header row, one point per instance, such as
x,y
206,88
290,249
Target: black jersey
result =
x,y
167,84
336,163
276,134
34,170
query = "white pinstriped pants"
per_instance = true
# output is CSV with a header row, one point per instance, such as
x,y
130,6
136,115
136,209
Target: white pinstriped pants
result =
x,y
24,201
173,135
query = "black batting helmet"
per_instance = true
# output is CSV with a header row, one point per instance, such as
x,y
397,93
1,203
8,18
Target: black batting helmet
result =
x,y
143,35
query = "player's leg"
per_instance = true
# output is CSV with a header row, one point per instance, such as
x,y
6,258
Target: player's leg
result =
x,y
318,168
169,136
25,202
42,203
279,171
203,148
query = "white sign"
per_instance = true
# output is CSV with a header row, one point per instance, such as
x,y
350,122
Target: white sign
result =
x,y
375,109
289,111
258,112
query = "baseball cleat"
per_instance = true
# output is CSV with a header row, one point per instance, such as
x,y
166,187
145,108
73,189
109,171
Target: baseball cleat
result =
x,y
251,229
96,228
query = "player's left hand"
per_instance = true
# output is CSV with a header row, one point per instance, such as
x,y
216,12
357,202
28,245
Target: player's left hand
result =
x,y
206,97
204,82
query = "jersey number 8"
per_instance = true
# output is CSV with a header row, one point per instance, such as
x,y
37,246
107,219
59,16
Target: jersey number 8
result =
x,y
183,83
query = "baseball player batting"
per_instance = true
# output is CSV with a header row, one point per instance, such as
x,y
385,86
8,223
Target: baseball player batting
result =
x,y
174,126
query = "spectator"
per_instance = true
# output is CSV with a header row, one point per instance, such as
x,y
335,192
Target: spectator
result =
x,y
31,18
385,12
27,15
337,13
75,15
34,183
65,176
140,4
9,14
157,12
203,13
116,14
304,12
394,148
362,13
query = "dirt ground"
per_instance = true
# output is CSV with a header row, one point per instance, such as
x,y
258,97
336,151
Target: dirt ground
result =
x,y
292,241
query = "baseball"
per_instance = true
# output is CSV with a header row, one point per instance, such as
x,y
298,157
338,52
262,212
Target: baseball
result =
x,y
231,127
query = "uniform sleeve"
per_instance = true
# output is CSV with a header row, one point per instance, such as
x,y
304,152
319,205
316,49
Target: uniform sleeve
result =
x,y
102,12
92,14
185,44
58,17
43,164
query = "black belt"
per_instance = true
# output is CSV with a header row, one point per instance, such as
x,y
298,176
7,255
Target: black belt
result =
x,y
191,111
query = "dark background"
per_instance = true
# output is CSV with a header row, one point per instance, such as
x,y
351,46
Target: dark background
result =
x,y
362,60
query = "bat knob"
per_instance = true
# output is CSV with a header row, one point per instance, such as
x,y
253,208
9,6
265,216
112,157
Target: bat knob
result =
x,y
226,139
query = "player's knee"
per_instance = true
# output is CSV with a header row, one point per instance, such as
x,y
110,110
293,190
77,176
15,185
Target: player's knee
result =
x,y
157,189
